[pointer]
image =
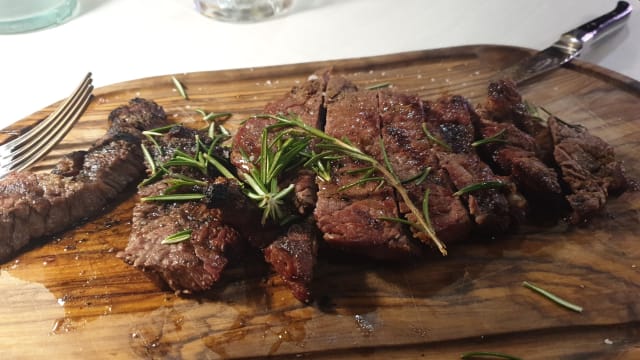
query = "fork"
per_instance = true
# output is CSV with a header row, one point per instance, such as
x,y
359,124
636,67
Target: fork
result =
x,y
18,153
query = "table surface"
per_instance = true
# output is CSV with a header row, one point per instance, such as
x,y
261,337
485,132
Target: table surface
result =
x,y
119,40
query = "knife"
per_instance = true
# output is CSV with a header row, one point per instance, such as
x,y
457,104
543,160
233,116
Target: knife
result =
x,y
569,46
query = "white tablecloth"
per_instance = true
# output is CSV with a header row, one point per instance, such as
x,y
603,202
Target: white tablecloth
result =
x,y
121,40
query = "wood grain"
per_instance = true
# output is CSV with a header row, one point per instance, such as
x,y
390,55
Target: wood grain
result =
x,y
69,296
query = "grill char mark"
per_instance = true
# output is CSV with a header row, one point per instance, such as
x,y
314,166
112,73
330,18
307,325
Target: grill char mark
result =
x,y
451,119
411,153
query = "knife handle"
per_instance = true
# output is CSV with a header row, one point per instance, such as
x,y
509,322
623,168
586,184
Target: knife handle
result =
x,y
601,26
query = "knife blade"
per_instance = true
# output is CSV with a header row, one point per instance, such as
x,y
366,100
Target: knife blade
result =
x,y
569,46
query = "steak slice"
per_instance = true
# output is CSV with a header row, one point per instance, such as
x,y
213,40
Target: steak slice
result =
x,y
411,154
305,101
505,105
188,266
292,255
40,204
240,212
351,218
516,157
451,119
588,167
194,264
293,258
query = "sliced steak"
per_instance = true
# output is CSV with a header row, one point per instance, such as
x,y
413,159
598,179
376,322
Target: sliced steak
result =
x,y
36,205
292,254
516,157
293,258
191,265
411,154
451,120
505,105
305,101
194,264
351,218
588,167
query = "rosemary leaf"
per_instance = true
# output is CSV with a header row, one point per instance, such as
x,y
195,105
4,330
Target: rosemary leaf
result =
x,y
153,178
397,220
498,137
419,178
487,355
186,181
535,111
367,171
315,157
221,168
159,131
479,186
434,139
258,187
224,131
360,182
378,86
179,87
552,297
265,155
149,159
177,184
387,162
173,197
177,237
209,117
185,162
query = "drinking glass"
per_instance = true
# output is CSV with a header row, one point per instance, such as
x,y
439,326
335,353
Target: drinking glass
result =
x,y
242,10
26,15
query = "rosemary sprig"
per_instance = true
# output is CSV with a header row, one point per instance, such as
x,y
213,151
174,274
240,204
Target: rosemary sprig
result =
x,y
552,297
342,147
419,178
319,163
179,87
398,220
211,116
284,152
534,111
271,199
479,186
177,237
378,86
434,139
361,181
487,355
211,119
149,159
498,137
387,162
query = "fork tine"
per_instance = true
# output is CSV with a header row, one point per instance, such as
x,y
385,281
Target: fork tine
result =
x,y
34,144
44,124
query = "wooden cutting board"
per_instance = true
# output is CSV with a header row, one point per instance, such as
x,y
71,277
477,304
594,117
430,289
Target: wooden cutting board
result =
x,y
70,297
